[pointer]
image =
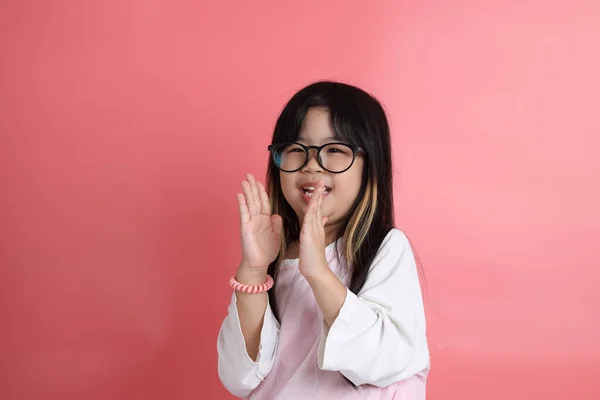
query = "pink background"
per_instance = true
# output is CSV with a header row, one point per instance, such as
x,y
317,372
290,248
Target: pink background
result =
x,y
126,127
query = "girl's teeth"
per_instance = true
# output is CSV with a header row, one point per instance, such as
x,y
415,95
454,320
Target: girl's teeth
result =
x,y
309,191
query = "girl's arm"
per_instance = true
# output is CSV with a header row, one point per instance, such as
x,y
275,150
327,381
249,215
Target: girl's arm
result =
x,y
250,332
377,337
251,310
329,292
247,339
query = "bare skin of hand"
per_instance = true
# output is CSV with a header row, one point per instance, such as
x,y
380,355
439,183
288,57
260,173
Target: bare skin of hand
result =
x,y
329,292
260,230
260,235
312,259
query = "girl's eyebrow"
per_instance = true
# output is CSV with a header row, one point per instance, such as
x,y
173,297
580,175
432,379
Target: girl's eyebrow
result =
x,y
326,140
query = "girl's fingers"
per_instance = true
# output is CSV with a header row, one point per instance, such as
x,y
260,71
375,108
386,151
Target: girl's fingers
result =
x,y
320,202
264,200
310,212
314,200
311,203
253,207
318,216
313,213
308,217
244,215
253,186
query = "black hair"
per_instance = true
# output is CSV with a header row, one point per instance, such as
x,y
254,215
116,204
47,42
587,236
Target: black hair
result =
x,y
358,119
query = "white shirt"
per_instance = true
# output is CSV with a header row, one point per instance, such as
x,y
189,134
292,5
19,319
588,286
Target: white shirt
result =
x,y
378,341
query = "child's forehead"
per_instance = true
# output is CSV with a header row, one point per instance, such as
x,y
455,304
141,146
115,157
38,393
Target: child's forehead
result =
x,y
316,138
316,127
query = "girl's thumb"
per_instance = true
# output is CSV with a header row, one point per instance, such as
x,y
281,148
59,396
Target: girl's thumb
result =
x,y
324,220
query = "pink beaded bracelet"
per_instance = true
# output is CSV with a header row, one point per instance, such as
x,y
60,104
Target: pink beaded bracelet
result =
x,y
240,287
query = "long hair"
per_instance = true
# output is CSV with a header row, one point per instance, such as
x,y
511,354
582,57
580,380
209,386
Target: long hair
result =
x,y
358,119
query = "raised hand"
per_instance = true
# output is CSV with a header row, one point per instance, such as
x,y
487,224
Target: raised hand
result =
x,y
312,236
260,231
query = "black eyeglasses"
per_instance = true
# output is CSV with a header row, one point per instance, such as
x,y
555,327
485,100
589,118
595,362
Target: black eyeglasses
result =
x,y
332,157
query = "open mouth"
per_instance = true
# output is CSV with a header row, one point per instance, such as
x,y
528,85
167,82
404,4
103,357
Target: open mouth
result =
x,y
308,190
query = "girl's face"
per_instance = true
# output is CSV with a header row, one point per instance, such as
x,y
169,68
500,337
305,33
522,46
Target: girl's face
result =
x,y
342,188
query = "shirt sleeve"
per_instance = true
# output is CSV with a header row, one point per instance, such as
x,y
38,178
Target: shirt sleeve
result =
x,y
379,336
237,371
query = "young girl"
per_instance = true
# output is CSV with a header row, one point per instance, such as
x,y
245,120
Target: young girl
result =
x,y
327,302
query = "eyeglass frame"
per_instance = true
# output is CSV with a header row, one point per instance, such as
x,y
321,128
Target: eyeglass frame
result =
x,y
355,150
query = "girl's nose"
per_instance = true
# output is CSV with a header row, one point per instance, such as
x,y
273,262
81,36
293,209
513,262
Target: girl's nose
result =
x,y
313,161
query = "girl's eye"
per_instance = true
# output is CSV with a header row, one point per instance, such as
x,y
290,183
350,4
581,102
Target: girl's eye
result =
x,y
335,150
295,150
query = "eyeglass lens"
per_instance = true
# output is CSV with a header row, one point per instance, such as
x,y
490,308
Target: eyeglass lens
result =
x,y
334,157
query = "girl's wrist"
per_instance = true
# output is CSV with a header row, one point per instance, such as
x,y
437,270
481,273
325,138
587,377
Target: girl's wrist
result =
x,y
317,273
251,276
